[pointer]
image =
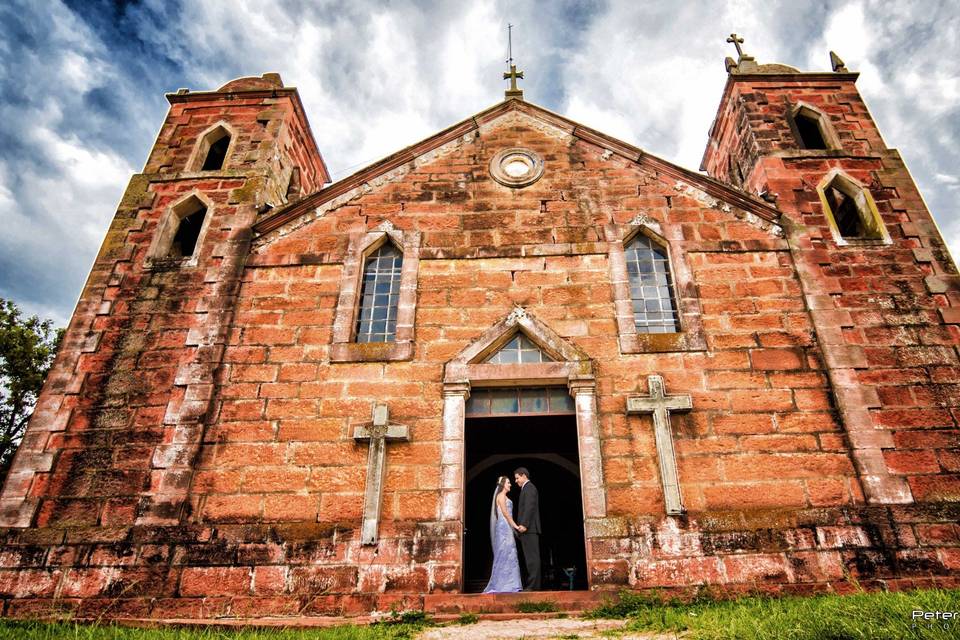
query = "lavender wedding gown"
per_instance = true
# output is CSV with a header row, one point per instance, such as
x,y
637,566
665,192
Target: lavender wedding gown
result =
x,y
505,575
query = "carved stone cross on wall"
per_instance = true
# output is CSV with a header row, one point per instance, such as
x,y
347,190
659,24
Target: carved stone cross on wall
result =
x,y
660,406
377,433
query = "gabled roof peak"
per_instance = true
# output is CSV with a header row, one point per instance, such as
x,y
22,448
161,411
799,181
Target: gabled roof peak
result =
x,y
710,186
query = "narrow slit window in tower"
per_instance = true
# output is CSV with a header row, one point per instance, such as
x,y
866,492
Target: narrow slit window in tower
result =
x,y
808,126
651,287
380,295
188,232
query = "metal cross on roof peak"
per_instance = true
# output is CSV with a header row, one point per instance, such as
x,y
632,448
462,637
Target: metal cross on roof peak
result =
x,y
513,74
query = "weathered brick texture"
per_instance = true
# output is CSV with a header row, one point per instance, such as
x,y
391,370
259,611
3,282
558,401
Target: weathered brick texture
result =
x,y
192,452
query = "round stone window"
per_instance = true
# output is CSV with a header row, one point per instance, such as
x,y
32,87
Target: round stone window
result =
x,y
516,167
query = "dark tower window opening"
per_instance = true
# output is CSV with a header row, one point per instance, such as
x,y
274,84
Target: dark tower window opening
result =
x,y
188,232
808,126
736,177
293,187
651,287
380,295
845,213
217,153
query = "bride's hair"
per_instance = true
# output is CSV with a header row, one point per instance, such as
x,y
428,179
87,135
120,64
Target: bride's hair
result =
x,y
501,483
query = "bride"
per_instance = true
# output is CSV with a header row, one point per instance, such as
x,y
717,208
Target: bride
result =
x,y
505,575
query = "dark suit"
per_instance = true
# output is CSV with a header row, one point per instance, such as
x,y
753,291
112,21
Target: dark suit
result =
x,y
528,515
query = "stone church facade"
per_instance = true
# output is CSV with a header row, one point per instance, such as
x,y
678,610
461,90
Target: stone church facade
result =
x,y
279,396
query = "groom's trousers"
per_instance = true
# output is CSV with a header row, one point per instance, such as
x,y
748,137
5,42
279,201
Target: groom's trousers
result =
x,y
530,543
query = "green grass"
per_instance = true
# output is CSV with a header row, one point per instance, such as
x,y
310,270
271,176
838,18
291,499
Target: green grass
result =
x,y
536,606
468,618
862,616
12,630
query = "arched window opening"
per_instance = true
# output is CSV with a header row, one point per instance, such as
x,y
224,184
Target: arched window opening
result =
x,y
850,210
808,126
651,287
218,141
188,230
380,295
845,213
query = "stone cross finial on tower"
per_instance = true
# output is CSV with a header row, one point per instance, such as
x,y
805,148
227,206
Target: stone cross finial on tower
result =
x,y
745,63
736,42
513,74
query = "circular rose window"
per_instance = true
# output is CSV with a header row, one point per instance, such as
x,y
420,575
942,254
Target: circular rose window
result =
x,y
516,167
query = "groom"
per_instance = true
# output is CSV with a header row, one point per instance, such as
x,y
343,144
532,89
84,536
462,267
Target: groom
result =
x,y
528,521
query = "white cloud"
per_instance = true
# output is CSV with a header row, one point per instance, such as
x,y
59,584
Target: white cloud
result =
x,y
377,76
57,191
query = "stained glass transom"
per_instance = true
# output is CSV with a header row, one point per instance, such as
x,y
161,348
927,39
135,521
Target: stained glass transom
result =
x,y
377,321
520,401
520,349
651,287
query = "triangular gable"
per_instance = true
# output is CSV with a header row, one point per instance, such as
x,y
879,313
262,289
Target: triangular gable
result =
x,y
519,349
709,186
473,362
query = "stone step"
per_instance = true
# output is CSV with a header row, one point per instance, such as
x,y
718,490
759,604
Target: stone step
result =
x,y
510,603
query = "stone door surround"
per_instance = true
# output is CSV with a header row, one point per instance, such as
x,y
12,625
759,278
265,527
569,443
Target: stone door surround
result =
x,y
571,367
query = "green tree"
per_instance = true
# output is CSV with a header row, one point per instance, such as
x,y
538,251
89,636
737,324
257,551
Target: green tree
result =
x,y
27,349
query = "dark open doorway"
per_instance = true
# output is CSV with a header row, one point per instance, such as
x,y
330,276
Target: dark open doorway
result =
x,y
547,446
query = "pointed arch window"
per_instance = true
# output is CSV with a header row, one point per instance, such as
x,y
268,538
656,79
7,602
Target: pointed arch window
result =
x,y
181,230
377,304
212,149
188,232
850,211
380,295
651,286
809,129
812,128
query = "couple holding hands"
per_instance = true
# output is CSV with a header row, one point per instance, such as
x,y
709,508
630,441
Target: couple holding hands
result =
x,y
505,531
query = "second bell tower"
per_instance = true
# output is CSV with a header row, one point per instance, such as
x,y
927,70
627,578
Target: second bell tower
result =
x,y
879,283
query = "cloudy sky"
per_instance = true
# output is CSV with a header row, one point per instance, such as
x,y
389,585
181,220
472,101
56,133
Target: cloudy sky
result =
x,y
83,82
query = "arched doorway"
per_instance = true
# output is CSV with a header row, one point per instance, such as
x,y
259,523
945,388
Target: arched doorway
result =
x,y
547,446
566,373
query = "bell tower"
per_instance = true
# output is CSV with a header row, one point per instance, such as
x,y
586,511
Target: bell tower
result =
x,y
118,424
880,286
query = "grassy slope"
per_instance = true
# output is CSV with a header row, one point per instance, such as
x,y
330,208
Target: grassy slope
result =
x,y
862,616
41,631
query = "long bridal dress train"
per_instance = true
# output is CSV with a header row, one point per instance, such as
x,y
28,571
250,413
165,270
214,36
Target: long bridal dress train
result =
x,y
505,575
